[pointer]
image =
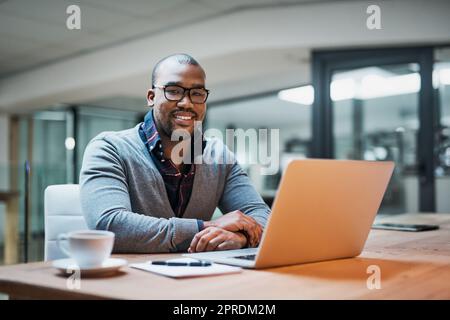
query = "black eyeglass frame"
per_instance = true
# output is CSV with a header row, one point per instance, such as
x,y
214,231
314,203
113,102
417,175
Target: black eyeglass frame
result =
x,y
184,92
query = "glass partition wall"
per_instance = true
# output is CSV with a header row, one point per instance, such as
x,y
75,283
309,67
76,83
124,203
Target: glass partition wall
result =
x,y
387,104
375,117
441,86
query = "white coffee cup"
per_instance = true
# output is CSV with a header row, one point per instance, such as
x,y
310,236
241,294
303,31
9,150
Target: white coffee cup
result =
x,y
89,248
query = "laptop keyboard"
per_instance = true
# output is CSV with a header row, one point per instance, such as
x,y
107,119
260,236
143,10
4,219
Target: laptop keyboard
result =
x,y
247,257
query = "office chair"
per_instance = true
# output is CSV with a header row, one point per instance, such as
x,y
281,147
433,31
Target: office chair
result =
x,y
62,214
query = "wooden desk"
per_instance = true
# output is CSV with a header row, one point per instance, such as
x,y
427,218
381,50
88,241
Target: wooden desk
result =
x,y
413,265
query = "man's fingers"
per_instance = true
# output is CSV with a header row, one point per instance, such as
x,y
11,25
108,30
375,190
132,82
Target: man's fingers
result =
x,y
244,223
259,230
204,240
256,232
196,239
228,245
252,237
224,246
252,233
214,242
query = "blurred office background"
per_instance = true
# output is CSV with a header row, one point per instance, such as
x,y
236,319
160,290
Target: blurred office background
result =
x,y
311,68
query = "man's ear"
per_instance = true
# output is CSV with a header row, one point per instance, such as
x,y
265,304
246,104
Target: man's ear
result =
x,y
150,97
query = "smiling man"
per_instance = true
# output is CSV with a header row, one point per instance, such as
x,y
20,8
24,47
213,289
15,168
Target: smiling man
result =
x,y
131,183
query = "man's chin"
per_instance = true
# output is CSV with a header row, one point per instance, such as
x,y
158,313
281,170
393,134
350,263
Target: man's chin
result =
x,y
187,130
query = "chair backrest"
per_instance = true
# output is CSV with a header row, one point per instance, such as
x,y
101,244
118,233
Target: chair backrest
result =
x,y
62,214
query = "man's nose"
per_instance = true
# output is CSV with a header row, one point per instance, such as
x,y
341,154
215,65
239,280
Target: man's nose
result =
x,y
186,100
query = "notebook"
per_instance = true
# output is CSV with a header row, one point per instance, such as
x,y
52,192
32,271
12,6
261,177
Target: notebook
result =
x,y
184,272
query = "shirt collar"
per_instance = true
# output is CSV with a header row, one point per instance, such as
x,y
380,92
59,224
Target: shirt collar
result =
x,y
149,129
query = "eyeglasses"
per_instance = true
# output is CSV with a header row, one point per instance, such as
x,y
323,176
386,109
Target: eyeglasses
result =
x,y
177,93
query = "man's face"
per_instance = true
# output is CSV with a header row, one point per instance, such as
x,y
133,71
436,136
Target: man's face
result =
x,y
172,115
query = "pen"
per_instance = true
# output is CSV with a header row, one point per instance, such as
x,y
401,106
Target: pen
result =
x,y
181,264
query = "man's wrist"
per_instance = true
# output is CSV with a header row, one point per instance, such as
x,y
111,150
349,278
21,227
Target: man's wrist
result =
x,y
207,224
204,224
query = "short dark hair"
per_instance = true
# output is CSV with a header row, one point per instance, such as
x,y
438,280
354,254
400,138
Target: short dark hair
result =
x,y
181,58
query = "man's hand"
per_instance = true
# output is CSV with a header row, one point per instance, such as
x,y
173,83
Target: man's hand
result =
x,y
213,238
236,221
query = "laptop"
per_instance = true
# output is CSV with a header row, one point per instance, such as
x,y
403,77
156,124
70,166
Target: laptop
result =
x,y
323,210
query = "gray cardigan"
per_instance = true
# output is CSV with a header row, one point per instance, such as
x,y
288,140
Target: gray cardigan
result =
x,y
123,191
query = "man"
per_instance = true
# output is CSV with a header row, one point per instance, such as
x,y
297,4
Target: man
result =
x,y
132,185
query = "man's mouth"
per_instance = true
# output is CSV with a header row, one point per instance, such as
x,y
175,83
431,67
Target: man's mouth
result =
x,y
184,117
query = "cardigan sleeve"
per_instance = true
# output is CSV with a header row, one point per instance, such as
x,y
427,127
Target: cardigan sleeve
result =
x,y
240,194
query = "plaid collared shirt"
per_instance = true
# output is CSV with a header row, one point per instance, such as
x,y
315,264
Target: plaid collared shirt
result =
x,y
178,183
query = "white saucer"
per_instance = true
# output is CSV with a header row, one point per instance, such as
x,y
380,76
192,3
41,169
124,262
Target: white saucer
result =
x,y
69,266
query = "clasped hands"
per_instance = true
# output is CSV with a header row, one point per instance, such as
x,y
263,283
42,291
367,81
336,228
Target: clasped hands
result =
x,y
233,230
